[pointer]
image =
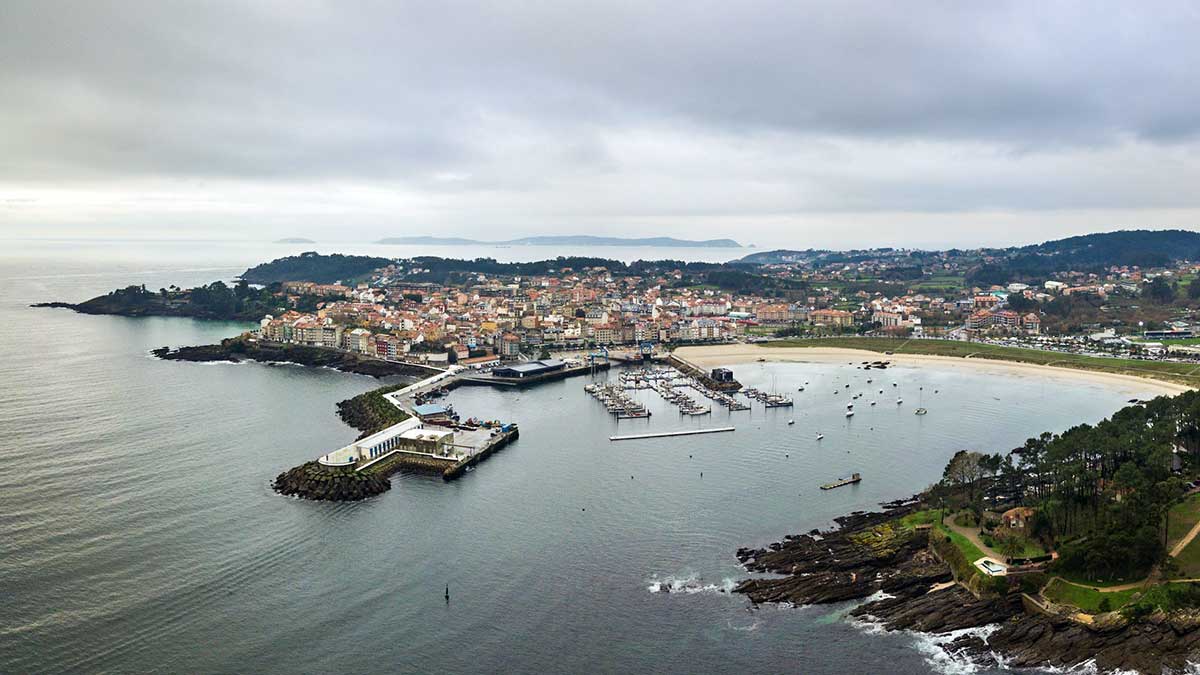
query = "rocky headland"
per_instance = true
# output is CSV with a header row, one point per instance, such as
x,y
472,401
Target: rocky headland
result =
x,y
875,552
240,348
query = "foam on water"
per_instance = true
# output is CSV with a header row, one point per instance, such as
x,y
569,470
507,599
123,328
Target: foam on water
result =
x,y
688,584
942,659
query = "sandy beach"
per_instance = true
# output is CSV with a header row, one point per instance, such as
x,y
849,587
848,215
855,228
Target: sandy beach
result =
x,y
710,356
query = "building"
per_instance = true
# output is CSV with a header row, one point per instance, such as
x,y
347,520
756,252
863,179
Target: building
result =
x,y
722,375
830,317
432,411
529,369
1019,518
408,436
1031,324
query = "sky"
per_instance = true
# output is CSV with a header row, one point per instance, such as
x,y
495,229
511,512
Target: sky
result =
x,y
840,124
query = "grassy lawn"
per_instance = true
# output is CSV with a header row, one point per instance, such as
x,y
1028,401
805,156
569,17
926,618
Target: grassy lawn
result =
x,y
925,517
1172,341
1187,563
971,551
1029,548
1087,599
933,517
1183,516
1094,583
1161,370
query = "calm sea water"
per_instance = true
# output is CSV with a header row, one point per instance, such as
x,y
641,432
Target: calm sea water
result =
x,y
140,532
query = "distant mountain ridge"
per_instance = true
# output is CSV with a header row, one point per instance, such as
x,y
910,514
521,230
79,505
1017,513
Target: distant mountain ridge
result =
x,y
1144,248
566,240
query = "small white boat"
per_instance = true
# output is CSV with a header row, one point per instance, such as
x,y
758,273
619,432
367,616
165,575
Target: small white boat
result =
x,y
820,436
849,405
899,401
872,402
921,411
791,422
849,413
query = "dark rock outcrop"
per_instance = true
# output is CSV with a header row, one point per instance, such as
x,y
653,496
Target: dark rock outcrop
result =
x,y
953,608
865,556
869,553
313,481
239,348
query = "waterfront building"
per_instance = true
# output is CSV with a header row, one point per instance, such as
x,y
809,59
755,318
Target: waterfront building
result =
x,y
529,369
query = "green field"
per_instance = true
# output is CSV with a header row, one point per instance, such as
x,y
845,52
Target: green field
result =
x,y
1086,599
1183,516
1174,341
1187,563
933,517
1180,373
971,551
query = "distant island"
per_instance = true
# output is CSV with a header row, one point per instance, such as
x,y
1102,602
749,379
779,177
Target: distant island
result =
x,y
566,240
294,240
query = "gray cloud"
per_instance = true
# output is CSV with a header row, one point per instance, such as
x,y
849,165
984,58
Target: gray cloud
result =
x,y
468,114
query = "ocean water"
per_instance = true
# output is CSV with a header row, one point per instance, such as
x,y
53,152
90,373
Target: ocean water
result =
x,y
139,531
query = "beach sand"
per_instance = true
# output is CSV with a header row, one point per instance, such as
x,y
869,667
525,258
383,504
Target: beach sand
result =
x,y
711,356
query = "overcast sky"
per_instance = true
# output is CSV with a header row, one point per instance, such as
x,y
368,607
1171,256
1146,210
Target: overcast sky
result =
x,y
799,124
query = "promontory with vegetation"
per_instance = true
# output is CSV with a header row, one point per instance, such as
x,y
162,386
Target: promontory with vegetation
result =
x,y
1091,536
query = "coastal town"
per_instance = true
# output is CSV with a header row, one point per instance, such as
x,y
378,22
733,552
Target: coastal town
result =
x,y
478,319
1073,536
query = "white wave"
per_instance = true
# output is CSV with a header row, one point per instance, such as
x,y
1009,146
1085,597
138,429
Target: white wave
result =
x,y
943,659
688,584
1089,668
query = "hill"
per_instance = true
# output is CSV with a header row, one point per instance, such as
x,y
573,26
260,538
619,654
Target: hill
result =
x,y
313,266
566,240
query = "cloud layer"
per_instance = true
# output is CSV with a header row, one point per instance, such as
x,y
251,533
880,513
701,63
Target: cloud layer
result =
x,y
785,123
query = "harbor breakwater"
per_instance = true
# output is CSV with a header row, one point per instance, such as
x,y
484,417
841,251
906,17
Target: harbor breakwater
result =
x,y
314,481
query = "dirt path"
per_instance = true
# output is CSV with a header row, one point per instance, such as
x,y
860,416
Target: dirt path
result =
x,y
1186,540
972,535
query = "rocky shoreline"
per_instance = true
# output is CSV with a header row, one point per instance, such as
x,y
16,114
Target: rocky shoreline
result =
x,y
869,553
237,349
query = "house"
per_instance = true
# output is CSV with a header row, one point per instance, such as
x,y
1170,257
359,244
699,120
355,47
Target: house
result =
x,y
1018,518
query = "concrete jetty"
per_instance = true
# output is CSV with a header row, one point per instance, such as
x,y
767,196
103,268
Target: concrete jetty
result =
x,y
665,434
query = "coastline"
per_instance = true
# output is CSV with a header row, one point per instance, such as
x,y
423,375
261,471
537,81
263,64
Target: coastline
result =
x,y
711,356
